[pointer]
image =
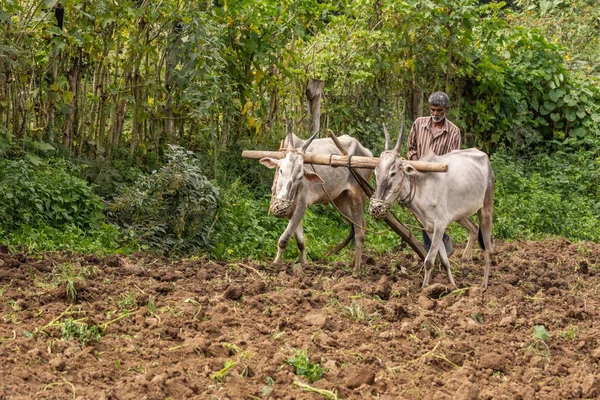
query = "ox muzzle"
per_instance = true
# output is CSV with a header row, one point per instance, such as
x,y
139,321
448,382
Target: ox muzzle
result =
x,y
281,208
379,208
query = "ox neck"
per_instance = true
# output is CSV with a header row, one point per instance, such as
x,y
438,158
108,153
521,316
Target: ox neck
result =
x,y
409,189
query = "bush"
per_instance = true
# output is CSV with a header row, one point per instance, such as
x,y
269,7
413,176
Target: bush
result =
x,y
36,192
547,195
243,228
172,209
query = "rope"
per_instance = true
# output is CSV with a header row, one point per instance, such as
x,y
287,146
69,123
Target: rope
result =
x,y
412,190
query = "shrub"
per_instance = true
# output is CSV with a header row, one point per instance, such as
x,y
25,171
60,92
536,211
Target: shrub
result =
x,y
172,209
547,195
36,192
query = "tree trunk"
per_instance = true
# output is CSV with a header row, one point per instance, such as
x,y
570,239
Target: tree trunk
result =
x,y
70,127
314,91
417,103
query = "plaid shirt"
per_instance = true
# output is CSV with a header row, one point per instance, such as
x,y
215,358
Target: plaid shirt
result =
x,y
423,138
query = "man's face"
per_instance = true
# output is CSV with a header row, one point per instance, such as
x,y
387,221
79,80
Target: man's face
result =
x,y
438,113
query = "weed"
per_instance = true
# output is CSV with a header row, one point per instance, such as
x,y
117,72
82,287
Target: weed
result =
x,y
233,349
72,329
151,306
303,367
328,394
194,302
220,375
268,388
355,312
128,301
570,333
477,318
434,353
67,274
538,341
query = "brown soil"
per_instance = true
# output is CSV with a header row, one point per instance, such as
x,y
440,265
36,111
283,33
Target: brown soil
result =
x,y
173,325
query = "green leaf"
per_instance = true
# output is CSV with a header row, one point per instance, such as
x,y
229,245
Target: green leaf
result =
x,y
540,332
556,94
555,117
571,115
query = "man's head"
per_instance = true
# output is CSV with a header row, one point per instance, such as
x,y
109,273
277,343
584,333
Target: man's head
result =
x,y
439,104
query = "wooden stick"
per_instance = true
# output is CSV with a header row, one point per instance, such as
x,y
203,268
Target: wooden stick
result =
x,y
343,161
389,219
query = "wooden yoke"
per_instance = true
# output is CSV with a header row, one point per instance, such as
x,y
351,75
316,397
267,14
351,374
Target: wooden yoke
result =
x,y
389,219
335,160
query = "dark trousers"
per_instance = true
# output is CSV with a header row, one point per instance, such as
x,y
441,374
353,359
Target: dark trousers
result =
x,y
427,240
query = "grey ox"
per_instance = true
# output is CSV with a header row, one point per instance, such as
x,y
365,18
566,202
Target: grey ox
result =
x,y
438,199
299,186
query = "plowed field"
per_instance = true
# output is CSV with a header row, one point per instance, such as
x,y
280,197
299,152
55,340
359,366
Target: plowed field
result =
x,y
84,327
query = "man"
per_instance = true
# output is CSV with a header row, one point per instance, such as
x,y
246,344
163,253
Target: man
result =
x,y
435,133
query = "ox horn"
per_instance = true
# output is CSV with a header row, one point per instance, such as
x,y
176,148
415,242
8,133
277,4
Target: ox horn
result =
x,y
308,142
290,136
399,142
387,138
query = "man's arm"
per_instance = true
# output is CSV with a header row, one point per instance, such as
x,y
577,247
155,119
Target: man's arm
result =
x,y
455,140
411,154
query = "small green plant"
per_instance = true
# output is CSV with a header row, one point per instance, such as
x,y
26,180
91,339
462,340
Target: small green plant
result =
x,y
355,312
72,329
67,274
128,301
570,333
232,348
303,367
221,374
268,388
151,306
538,340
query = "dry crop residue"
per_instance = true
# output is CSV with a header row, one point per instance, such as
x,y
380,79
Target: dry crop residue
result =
x,y
83,327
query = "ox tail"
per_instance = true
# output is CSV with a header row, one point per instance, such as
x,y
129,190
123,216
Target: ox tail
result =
x,y
480,239
343,244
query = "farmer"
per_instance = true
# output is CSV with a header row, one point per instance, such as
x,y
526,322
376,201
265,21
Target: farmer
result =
x,y
435,133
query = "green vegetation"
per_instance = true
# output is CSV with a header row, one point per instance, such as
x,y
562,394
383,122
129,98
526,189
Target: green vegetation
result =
x,y
72,329
538,341
303,367
121,128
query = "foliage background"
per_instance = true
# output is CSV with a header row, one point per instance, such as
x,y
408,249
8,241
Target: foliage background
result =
x,y
91,108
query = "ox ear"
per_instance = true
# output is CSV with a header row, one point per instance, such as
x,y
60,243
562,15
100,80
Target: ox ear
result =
x,y
269,162
409,170
313,177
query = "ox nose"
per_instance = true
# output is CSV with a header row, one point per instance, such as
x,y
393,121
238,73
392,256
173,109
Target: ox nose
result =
x,y
378,209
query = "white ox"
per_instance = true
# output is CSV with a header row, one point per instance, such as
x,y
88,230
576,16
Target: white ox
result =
x,y
438,199
299,186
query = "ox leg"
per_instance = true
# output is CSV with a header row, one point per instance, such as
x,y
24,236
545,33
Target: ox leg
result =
x,y
437,246
301,242
472,229
485,215
359,239
353,209
446,264
436,241
285,237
